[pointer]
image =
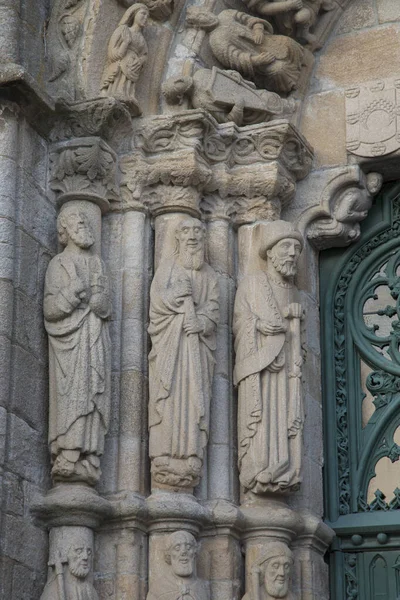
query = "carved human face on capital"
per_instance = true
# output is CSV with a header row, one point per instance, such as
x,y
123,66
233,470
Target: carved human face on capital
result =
x,y
79,230
80,560
284,256
190,236
277,576
182,553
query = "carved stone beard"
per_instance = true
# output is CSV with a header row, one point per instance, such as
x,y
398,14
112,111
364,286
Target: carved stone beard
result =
x,y
191,260
77,570
83,239
285,267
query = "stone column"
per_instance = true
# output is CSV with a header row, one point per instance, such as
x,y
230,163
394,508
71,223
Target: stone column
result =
x,y
222,470
78,308
9,155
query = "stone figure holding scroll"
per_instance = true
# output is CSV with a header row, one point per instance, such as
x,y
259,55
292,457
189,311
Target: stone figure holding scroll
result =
x,y
266,326
71,568
181,582
76,310
247,44
270,577
184,308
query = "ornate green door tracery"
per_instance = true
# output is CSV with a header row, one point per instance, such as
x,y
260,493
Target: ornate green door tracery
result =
x,y
360,328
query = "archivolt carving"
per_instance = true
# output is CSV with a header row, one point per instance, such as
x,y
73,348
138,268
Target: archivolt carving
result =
x,y
247,44
126,56
227,97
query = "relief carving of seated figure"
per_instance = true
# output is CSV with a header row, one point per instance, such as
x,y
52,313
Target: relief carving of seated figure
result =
x,y
181,582
247,44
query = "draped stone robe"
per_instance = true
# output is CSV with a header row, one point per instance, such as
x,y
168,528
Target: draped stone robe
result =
x,y
75,589
171,587
270,409
181,366
79,356
232,43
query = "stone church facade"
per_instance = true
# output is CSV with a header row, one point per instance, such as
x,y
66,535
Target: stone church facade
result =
x,y
199,316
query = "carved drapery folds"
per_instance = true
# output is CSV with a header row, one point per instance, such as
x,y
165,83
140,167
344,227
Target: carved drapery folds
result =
x,y
126,56
184,312
267,372
247,44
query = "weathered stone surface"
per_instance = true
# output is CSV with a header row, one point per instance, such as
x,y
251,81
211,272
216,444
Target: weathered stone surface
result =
x,y
359,14
332,71
326,108
388,10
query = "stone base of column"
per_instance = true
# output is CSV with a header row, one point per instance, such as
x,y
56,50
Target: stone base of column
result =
x,y
70,504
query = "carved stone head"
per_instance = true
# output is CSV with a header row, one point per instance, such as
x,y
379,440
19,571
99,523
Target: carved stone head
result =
x,y
201,18
277,563
73,224
282,247
137,14
189,236
180,553
80,556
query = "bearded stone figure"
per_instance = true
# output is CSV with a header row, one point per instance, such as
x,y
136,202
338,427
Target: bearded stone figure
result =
x,y
71,566
247,44
181,582
266,326
184,308
76,310
126,56
270,577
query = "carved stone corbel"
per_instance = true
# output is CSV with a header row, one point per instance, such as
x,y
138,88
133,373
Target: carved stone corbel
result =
x,y
344,203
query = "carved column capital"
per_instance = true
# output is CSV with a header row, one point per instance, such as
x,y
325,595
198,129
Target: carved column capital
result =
x,y
252,169
84,168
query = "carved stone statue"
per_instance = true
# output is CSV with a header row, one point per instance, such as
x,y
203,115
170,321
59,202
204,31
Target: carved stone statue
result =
x,y
247,44
227,96
76,310
270,577
181,582
126,56
71,567
266,326
184,307
292,17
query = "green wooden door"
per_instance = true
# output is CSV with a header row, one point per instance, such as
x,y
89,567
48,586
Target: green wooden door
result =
x,y
360,329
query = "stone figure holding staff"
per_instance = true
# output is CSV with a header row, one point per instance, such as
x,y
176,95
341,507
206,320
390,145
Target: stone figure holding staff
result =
x,y
268,366
184,308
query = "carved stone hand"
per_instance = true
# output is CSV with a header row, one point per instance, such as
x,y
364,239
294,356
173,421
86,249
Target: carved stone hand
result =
x,y
193,325
294,311
269,328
